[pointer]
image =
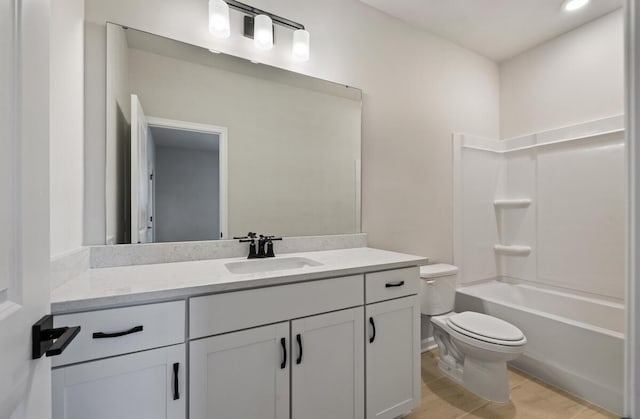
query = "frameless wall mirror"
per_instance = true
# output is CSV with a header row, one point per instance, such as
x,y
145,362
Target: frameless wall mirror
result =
x,y
206,146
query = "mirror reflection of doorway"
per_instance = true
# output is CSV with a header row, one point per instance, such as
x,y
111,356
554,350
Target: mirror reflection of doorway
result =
x,y
185,185
178,180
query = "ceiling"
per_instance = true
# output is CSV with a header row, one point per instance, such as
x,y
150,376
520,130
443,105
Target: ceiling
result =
x,y
497,29
191,140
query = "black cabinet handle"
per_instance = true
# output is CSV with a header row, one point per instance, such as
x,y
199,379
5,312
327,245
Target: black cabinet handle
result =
x,y
176,383
394,284
101,335
299,340
283,343
373,326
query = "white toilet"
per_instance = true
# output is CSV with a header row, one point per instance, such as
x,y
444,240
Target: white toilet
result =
x,y
474,347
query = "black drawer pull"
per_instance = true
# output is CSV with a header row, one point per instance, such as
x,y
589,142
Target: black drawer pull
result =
x,y
373,327
101,335
283,343
176,383
394,284
299,340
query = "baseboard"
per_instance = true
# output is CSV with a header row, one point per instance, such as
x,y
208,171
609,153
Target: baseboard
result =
x,y
428,344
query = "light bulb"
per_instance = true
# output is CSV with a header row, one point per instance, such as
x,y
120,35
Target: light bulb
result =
x,y
219,19
263,32
571,5
300,47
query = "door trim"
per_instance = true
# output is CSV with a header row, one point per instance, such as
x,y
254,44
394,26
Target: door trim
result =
x,y
10,297
223,135
632,291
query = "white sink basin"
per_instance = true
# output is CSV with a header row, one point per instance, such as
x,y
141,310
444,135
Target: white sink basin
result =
x,y
267,265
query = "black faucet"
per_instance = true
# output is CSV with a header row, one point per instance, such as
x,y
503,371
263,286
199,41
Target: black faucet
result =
x,y
264,248
251,239
266,241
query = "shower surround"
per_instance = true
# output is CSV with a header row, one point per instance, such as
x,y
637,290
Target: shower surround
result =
x,y
547,211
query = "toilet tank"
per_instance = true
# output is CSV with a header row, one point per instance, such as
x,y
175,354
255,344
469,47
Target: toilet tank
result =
x,y
437,288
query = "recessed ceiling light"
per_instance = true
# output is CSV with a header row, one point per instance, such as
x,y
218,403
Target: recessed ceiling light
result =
x,y
571,5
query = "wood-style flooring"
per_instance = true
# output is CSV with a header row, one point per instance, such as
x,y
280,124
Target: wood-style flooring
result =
x,y
530,398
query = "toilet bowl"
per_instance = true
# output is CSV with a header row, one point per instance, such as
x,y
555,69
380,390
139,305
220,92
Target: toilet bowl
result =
x,y
474,347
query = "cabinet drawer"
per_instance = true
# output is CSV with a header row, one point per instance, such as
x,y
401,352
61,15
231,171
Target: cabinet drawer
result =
x,y
122,330
221,313
397,283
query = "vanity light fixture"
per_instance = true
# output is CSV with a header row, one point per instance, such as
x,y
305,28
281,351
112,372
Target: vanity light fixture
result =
x,y
571,5
300,47
263,32
219,25
258,25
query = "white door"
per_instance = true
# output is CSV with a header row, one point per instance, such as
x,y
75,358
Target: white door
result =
x,y
327,368
393,357
25,384
140,174
241,375
143,385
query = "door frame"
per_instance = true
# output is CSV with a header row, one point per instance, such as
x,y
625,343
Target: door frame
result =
x,y
223,135
632,115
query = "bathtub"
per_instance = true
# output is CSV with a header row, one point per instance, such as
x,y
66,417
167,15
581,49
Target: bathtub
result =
x,y
574,342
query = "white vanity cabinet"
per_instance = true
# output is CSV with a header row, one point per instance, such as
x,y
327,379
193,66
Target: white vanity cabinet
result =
x,y
314,364
143,385
344,348
241,375
126,363
311,360
393,343
327,367
393,357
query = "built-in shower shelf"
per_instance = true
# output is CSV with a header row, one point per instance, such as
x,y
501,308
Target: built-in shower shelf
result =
x,y
512,203
512,250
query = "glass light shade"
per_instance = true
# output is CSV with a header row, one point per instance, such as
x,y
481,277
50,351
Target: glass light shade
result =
x,y
300,48
571,5
219,19
263,32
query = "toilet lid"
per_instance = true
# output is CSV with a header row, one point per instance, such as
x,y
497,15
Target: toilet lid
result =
x,y
483,326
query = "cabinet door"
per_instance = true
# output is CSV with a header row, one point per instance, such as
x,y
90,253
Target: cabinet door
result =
x,y
393,357
143,385
328,366
241,375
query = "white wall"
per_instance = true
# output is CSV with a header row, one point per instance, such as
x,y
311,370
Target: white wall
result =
x,y
418,89
577,77
187,195
67,125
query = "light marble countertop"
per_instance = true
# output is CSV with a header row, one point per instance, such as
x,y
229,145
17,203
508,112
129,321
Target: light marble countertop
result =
x,y
141,284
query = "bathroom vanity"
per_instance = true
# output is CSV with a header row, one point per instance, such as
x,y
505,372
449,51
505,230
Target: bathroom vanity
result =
x,y
318,334
328,334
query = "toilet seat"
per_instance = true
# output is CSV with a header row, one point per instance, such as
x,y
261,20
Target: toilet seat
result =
x,y
485,328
